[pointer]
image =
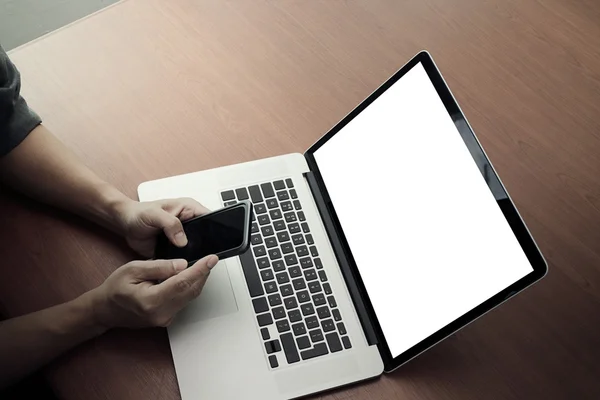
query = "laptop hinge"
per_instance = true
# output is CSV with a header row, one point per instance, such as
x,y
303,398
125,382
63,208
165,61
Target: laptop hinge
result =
x,y
338,249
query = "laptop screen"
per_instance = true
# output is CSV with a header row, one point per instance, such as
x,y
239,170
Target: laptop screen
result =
x,y
424,227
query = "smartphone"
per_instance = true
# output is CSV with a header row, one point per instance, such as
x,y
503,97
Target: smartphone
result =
x,y
225,233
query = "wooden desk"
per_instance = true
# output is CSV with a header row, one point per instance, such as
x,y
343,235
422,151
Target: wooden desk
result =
x,y
149,88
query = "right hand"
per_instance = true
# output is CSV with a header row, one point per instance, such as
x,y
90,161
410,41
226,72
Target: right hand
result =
x,y
131,297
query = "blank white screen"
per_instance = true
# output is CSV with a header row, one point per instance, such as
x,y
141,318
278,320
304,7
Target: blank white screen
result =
x,y
426,233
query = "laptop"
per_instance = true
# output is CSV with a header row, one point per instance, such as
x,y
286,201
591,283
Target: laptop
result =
x,y
387,235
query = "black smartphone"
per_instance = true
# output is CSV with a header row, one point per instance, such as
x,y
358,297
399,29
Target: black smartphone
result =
x,y
225,233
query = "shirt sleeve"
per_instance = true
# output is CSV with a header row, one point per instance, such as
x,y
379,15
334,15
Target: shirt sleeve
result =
x,y
17,120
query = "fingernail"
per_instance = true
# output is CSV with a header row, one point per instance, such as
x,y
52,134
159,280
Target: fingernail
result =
x,y
179,265
180,238
212,261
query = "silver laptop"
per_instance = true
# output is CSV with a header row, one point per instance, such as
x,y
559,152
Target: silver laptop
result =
x,y
390,233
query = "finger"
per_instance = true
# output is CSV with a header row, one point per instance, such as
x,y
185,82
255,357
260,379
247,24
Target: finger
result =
x,y
185,208
154,270
170,224
188,284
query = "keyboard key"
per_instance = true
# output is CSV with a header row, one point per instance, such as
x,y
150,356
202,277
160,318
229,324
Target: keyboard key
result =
x,y
298,239
297,205
290,217
260,305
260,251
290,303
287,248
322,276
310,274
320,349
315,286
228,195
278,265
267,190
327,325
256,239
312,322
275,214
306,262
289,183
266,275
255,195
305,227
318,263
303,296
293,194
331,301
263,262
273,361
295,271
286,290
253,217
282,278
251,274
316,335
242,194
346,342
327,288
323,312
272,346
341,328
278,312
313,251
336,314
282,326
283,237
291,259
260,208
230,203
289,348
254,227
302,251
274,300
308,309
309,238
303,342
270,242
283,195
318,299
287,206
271,203
333,340
295,315
264,319
267,230
279,225
270,287
274,254
294,228
299,329
263,219
299,284
264,332
279,185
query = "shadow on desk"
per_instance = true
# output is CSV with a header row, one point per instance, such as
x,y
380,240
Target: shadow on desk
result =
x,y
33,387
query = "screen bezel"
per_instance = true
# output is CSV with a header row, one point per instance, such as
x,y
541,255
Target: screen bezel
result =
x,y
517,225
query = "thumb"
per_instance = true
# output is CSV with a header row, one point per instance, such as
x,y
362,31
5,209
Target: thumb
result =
x,y
170,224
154,270
188,284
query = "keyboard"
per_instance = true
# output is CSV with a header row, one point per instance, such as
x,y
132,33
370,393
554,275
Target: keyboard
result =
x,y
296,310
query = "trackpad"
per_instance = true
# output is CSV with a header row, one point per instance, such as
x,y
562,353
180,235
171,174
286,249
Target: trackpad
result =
x,y
216,299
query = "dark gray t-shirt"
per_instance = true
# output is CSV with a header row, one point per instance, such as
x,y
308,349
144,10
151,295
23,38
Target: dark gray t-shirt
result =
x,y
16,118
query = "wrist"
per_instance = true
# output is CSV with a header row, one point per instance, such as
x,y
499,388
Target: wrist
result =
x,y
84,311
111,209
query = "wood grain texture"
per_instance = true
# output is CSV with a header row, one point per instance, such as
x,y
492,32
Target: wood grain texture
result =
x,y
150,88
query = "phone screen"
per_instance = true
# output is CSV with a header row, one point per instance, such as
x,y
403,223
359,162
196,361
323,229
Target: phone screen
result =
x,y
213,233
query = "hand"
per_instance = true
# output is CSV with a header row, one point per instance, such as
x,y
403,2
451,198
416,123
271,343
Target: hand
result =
x,y
131,298
142,221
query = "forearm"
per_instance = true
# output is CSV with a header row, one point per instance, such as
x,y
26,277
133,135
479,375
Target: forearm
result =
x,y
31,341
43,168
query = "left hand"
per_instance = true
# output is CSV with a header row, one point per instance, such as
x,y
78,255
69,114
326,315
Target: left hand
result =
x,y
142,221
